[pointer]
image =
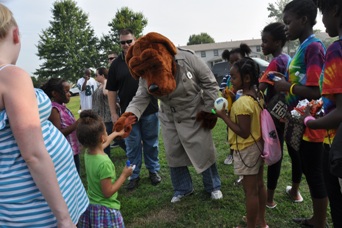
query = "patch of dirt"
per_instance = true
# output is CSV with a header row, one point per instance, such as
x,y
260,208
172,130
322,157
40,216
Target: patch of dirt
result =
x,y
166,215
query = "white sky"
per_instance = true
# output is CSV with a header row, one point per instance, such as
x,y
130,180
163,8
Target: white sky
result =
x,y
223,20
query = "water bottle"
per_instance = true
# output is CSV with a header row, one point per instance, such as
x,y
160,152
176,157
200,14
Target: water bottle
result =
x,y
238,94
272,77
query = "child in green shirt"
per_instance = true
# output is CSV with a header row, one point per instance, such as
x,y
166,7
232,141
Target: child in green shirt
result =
x,y
104,208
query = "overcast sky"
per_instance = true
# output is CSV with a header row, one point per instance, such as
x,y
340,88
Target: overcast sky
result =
x,y
223,20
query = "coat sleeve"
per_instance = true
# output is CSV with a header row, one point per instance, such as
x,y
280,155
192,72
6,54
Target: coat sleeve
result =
x,y
140,101
206,80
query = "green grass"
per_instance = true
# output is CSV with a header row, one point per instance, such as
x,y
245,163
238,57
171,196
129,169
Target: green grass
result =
x,y
149,206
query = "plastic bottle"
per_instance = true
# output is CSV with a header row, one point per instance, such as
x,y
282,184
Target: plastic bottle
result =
x,y
272,77
128,164
238,94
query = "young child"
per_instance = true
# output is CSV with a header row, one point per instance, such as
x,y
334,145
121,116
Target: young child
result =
x,y
245,138
302,82
273,40
57,90
331,90
104,208
226,88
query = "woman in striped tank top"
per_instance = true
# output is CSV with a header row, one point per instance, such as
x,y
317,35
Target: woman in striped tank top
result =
x,y
39,186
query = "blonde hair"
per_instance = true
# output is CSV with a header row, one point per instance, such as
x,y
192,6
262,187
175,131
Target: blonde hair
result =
x,y
6,21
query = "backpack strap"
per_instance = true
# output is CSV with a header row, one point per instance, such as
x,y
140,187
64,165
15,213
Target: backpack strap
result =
x,y
257,99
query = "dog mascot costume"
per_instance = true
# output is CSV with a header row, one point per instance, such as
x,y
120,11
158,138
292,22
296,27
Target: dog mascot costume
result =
x,y
187,89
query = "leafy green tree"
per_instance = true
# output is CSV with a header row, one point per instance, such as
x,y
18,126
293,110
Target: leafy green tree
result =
x,y
202,38
69,45
276,10
124,18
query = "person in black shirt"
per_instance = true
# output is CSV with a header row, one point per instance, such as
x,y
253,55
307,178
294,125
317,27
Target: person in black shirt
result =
x,y
144,135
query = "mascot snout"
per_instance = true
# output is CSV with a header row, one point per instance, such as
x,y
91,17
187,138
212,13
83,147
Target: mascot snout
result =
x,y
153,88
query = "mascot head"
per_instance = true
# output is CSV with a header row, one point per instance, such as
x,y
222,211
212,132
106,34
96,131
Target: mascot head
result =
x,y
152,58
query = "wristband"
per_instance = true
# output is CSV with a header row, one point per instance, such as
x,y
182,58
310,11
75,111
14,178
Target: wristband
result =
x,y
291,88
213,111
306,119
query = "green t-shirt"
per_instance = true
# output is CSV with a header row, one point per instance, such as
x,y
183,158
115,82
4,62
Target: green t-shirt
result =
x,y
99,167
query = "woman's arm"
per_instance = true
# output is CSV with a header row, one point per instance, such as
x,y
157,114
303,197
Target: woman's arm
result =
x,y
104,90
22,110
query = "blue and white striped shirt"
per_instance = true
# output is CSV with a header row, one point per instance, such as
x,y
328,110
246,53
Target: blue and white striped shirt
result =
x,y
21,203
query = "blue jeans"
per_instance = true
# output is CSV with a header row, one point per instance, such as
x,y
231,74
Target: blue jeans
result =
x,y
144,137
182,182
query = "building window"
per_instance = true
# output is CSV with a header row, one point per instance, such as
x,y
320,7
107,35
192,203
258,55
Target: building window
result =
x,y
203,54
258,48
216,53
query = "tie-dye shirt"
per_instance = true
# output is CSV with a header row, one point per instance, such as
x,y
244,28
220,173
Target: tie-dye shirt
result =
x,y
331,81
305,69
279,64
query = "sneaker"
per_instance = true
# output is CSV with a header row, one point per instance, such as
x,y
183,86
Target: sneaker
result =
x,y
217,194
178,198
114,144
133,184
228,160
155,178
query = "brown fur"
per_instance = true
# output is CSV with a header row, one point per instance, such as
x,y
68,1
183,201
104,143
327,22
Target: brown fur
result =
x,y
152,58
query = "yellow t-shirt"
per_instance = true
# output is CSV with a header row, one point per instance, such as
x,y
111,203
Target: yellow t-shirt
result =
x,y
245,105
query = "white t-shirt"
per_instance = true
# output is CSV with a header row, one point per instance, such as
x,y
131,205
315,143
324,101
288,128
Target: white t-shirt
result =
x,y
86,95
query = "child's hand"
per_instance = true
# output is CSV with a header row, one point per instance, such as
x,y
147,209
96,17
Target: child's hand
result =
x,y
127,171
221,113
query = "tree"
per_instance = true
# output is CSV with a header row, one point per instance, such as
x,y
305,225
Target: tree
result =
x,y
276,9
202,38
124,18
69,45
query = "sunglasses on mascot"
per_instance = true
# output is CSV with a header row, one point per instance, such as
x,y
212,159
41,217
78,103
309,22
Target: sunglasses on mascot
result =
x,y
123,42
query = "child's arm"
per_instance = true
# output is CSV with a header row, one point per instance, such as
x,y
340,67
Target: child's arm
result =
x,y
108,189
243,126
112,136
129,121
55,119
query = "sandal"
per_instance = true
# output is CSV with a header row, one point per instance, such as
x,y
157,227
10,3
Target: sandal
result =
x,y
271,206
300,198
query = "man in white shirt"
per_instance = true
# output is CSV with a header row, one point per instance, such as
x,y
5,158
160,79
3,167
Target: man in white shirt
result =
x,y
87,85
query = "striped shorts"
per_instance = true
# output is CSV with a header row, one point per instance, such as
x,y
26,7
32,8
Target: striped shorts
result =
x,y
100,216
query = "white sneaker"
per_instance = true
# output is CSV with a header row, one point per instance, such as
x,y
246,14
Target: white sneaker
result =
x,y
178,198
228,160
217,194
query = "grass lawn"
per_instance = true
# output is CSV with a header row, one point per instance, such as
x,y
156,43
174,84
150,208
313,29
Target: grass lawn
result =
x,y
149,206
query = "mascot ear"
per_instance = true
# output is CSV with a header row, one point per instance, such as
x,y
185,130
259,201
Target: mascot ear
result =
x,y
154,37
129,55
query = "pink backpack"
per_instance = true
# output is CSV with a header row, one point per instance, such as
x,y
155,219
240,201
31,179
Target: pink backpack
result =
x,y
272,150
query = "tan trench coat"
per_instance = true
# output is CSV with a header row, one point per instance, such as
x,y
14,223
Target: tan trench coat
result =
x,y
186,142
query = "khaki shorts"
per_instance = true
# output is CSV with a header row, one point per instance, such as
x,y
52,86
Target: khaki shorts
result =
x,y
248,161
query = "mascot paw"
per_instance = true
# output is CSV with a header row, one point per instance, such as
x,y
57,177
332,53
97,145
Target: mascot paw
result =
x,y
125,122
208,119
